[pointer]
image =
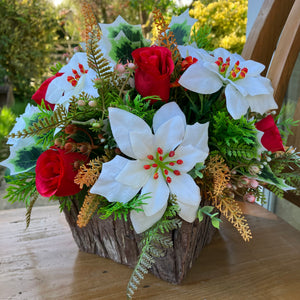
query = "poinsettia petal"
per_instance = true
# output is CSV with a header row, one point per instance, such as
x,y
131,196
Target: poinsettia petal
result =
x,y
189,156
133,174
254,68
108,187
254,85
165,113
261,103
191,51
187,212
170,134
142,145
185,189
221,52
158,191
197,136
56,89
199,79
236,104
122,123
61,87
142,222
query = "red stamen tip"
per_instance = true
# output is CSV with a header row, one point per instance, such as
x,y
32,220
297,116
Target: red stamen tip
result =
x,y
154,165
150,157
180,161
146,167
161,158
172,153
171,163
160,151
176,172
169,180
166,172
155,176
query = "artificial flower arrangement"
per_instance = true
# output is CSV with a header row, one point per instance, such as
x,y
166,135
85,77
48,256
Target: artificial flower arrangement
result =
x,y
154,134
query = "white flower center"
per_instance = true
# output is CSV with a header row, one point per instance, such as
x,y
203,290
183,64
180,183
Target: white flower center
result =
x,y
235,73
162,161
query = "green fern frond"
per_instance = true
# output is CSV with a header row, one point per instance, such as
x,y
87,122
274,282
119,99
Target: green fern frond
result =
x,y
154,245
58,118
96,59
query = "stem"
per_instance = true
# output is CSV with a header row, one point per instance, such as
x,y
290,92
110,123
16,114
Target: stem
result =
x,y
124,84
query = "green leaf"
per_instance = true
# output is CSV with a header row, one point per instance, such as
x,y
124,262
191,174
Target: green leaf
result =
x,y
200,215
216,222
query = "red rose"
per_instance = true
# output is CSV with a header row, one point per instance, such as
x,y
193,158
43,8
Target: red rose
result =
x,y
155,66
271,138
40,94
55,172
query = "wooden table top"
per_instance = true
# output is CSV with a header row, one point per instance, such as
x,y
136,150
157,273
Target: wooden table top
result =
x,y
43,262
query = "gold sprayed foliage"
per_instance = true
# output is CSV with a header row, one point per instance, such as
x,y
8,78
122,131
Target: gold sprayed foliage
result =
x,y
219,173
90,21
88,208
166,38
89,173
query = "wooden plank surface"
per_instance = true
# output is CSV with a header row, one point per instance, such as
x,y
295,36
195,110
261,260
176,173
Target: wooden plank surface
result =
x,y
43,263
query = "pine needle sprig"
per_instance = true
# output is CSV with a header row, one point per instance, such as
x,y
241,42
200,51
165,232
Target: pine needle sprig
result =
x,y
154,245
120,210
21,187
139,106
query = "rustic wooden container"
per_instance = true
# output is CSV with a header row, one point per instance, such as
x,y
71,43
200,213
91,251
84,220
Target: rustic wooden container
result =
x,y
117,240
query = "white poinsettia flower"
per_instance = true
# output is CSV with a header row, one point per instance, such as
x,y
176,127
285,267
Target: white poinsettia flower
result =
x,y
244,87
159,166
77,77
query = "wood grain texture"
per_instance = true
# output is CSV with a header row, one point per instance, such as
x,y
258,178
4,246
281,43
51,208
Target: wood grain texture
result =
x,y
44,263
265,32
285,55
116,239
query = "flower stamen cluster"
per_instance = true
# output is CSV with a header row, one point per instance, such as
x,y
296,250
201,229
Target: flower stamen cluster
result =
x,y
74,80
235,73
162,162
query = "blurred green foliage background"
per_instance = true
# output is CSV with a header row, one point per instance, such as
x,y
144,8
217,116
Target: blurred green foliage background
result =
x,y
35,34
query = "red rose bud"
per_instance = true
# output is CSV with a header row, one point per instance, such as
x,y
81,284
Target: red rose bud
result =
x,y
153,73
271,138
40,94
55,172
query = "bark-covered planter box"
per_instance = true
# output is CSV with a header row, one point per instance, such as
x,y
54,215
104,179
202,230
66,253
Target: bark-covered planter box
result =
x,y
116,240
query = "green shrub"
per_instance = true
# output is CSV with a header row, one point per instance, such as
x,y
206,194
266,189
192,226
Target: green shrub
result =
x,y
27,34
227,20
